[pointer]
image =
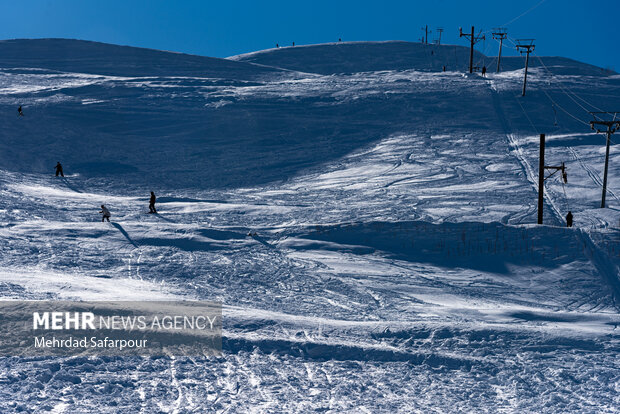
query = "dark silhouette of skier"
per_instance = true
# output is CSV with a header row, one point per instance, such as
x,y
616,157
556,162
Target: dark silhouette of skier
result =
x,y
152,203
106,213
59,169
569,219
277,46
484,71
19,111
444,68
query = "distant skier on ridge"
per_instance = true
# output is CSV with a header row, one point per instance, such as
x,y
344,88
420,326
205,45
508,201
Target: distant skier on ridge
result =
x,y
59,169
152,203
19,111
106,213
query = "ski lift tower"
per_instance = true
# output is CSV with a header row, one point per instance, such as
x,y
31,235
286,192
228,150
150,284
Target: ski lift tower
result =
x,y
527,46
473,39
440,31
612,126
500,34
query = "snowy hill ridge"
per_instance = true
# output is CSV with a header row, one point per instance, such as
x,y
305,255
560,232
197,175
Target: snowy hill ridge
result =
x,y
82,56
350,57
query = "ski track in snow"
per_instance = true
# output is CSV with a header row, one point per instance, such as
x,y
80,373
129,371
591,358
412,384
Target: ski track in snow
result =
x,y
399,275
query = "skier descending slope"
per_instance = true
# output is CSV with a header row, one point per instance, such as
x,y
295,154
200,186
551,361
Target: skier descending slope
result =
x,y
106,213
59,169
152,203
19,111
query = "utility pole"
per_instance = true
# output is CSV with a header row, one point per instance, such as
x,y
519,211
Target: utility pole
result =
x,y
473,39
528,45
440,30
501,34
612,126
541,176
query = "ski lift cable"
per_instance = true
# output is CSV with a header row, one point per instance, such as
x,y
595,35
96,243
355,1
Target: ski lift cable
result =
x,y
524,13
482,58
527,116
566,90
505,45
562,108
571,115
554,103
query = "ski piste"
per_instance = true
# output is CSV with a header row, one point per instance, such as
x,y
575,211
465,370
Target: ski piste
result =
x,y
366,219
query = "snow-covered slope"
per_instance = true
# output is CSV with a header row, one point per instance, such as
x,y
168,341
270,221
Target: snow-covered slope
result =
x,y
395,266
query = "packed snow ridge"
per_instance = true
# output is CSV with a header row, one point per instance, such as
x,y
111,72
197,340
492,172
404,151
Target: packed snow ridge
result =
x,y
393,263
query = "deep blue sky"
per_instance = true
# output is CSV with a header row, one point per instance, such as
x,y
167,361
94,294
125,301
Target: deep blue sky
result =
x,y
580,29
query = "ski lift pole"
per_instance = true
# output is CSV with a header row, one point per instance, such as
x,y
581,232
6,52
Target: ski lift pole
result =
x,y
541,177
612,126
473,39
525,46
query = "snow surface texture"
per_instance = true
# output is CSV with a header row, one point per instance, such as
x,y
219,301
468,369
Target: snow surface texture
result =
x,y
395,267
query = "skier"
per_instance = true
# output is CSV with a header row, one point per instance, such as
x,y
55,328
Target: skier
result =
x,y
444,68
484,71
152,203
277,46
59,169
19,111
569,219
106,213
